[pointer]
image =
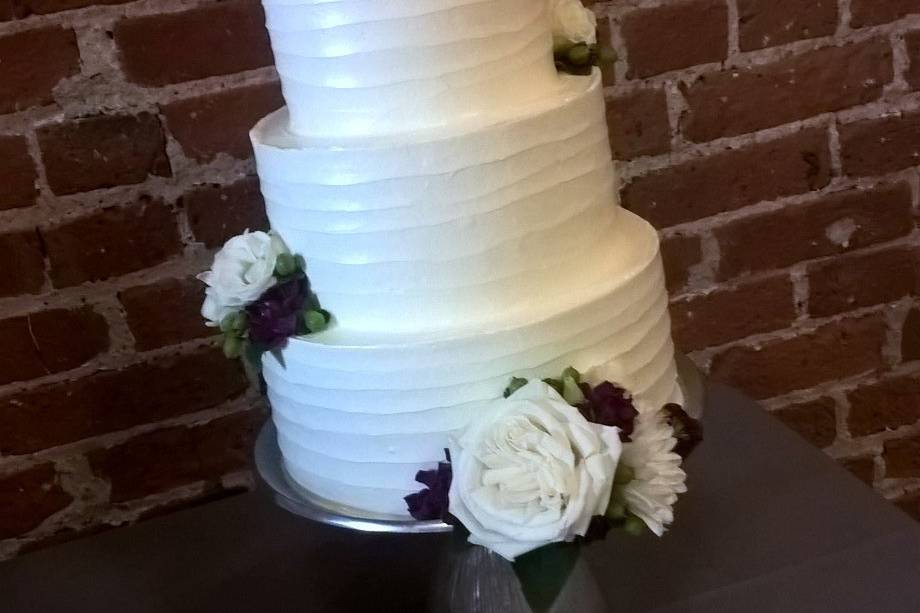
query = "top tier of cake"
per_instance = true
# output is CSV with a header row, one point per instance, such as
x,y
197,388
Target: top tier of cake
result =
x,y
376,67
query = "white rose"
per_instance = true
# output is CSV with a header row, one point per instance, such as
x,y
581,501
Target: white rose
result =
x,y
242,271
573,22
531,470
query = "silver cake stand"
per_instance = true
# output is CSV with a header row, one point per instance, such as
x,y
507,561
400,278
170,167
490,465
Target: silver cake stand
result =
x,y
471,579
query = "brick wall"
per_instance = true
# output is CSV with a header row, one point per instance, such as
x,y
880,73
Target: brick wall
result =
x,y
776,145
774,142
124,161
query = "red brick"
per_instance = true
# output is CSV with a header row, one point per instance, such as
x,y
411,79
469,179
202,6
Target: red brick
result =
x,y
675,36
902,458
19,360
910,504
638,124
833,224
103,151
604,39
112,242
109,401
217,213
220,123
32,63
24,8
860,280
862,468
17,173
154,326
22,262
28,498
745,100
724,315
50,341
880,146
887,404
874,12
202,42
910,336
765,23
731,179
166,459
836,350
680,253
912,41
815,421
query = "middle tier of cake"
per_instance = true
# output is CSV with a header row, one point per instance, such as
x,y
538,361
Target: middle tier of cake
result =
x,y
428,231
359,413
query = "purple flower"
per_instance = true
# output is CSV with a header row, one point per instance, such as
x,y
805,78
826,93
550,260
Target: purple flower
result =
x,y
609,405
273,318
687,431
432,501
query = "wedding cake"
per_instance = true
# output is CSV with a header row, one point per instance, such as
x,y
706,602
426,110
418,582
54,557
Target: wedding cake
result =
x,y
453,197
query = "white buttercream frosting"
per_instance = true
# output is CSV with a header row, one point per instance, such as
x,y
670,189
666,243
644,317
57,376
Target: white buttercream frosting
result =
x,y
456,204
410,233
359,413
359,67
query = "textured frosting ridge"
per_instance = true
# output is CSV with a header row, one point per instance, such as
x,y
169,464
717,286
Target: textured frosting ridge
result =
x,y
453,231
360,67
359,414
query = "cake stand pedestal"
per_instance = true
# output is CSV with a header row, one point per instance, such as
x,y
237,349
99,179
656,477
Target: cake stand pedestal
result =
x,y
470,579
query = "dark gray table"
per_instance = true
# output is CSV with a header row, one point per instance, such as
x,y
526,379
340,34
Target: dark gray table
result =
x,y
770,524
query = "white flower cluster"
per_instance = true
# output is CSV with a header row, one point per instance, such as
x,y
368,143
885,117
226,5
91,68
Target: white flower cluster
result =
x,y
243,270
657,475
531,470
573,22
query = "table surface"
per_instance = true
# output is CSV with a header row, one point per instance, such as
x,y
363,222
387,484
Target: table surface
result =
x,y
769,524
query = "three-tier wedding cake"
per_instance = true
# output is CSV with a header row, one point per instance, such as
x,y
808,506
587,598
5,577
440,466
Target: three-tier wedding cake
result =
x,y
455,202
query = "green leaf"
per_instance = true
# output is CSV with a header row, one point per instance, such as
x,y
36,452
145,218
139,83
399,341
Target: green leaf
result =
x,y
556,384
571,372
542,573
278,355
571,392
516,384
252,366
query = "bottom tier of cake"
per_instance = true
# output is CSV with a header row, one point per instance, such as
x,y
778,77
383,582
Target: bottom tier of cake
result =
x,y
359,415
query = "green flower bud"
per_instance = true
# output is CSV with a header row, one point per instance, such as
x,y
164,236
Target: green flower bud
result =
x,y
285,265
233,346
606,54
624,474
300,262
579,55
314,321
235,323
634,526
616,511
